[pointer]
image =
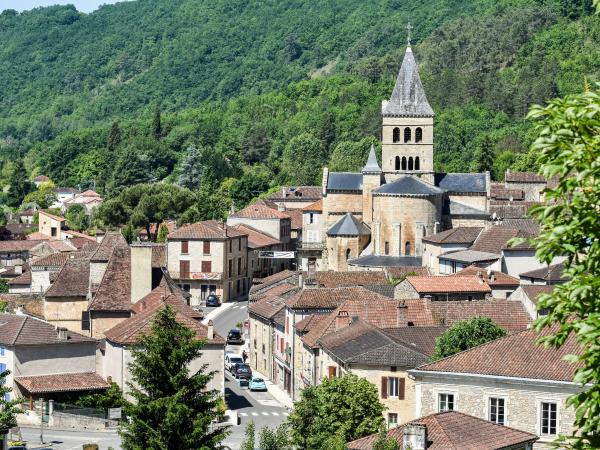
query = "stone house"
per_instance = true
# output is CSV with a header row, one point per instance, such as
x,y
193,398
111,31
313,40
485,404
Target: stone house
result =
x,y
528,295
511,381
259,241
441,288
88,199
17,253
529,185
452,430
51,225
452,240
552,274
502,285
296,197
46,361
313,238
62,195
209,257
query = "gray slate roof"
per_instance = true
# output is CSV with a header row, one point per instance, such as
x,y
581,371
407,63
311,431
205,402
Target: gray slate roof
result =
x,y
550,273
409,186
461,209
458,235
461,182
372,163
469,256
408,97
386,261
348,225
344,181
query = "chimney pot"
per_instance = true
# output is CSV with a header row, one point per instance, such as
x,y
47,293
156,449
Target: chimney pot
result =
x,y
401,319
62,333
210,334
414,436
342,320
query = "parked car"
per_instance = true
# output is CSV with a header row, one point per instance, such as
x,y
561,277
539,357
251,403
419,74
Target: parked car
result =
x,y
242,371
231,359
213,300
257,384
235,337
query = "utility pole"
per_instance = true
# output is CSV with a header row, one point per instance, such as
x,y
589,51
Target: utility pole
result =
x,y
42,423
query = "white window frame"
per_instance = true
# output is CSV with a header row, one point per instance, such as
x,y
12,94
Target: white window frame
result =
x,y
539,417
454,400
392,424
488,413
396,384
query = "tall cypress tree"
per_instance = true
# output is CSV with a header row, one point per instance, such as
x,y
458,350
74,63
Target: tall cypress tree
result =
x,y
157,124
172,408
114,137
485,158
20,186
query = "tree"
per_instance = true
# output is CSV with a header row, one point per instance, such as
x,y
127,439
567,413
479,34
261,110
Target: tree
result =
x,y
8,408
172,408
163,232
250,437
485,155
129,233
20,186
569,150
76,218
3,286
384,442
341,409
466,334
114,137
352,156
303,160
157,130
269,438
130,168
111,398
191,169
44,196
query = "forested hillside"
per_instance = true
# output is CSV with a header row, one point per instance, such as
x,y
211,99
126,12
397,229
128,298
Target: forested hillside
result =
x,y
254,94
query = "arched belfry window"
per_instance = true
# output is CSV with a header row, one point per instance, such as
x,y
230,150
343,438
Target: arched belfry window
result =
x,y
404,163
407,248
396,135
397,163
418,134
410,163
347,254
407,134
417,163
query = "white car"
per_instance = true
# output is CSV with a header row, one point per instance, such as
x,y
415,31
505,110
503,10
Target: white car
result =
x,y
231,359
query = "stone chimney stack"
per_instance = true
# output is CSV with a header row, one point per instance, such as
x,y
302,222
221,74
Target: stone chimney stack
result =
x,y
415,436
480,276
141,270
210,334
401,314
300,280
62,333
342,320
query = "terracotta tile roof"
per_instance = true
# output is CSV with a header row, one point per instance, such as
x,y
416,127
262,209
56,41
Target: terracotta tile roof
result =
x,y
114,291
501,192
207,230
18,246
52,216
508,314
26,330
166,293
459,235
524,177
309,322
61,246
298,193
90,193
262,284
526,226
533,291
259,210
110,241
130,330
332,279
72,280
510,211
37,236
64,382
314,207
421,338
284,290
22,280
516,355
159,255
77,234
550,273
171,226
494,239
452,430
58,259
83,243
256,239
267,307
330,298
296,216
449,284
41,178
497,278
395,273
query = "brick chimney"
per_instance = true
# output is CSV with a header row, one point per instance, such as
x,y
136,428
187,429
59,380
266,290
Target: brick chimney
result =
x,y
342,320
401,314
141,270
414,436
210,334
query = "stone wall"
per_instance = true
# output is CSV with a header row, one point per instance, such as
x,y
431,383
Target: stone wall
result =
x,y
261,344
101,321
66,312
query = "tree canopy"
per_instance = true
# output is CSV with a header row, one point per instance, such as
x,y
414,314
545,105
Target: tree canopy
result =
x,y
465,335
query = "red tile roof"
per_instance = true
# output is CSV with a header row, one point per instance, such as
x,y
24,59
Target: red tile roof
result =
x,y
450,284
72,280
18,246
256,239
110,241
26,330
296,216
497,278
298,193
452,430
494,239
63,382
165,293
316,206
37,236
22,280
259,210
61,246
52,216
267,307
207,230
533,291
524,177
309,322
330,298
459,235
517,356
114,291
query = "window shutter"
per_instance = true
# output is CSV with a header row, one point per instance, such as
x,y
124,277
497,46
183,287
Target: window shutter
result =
x,y
332,371
206,266
184,246
206,249
384,387
401,388
184,269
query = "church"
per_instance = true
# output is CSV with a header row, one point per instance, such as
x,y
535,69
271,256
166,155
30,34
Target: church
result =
x,y
378,217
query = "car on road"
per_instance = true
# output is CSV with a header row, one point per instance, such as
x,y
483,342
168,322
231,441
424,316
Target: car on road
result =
x,y
213,300
231,359
257,384
235,337
242,371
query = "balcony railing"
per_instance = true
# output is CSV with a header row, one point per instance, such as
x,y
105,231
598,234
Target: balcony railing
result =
x,y
311,245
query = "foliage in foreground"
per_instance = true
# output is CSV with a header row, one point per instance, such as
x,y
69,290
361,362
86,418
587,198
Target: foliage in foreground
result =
x,y
466,334
171,409
337,411
569,149
268,438
8,408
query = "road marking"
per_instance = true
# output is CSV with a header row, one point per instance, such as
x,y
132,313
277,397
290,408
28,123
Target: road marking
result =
x,y
265,413
268,402
275,413
255,414
243,414
286,414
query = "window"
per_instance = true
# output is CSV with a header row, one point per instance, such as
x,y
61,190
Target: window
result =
x,y
2,349
497,414
387,248
184,269
229,264
239,266
397,164
239,244
445,402
410,163
238,287
206,247
332,371
184,247
53,231
347,254
393,386
548,418
281,345
418,134
407,248
392,420
407,134
417,164
396,135
206,266
312,236
404,163
85,323
311,217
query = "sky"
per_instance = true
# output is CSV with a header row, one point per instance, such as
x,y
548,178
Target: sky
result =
x,y
82,5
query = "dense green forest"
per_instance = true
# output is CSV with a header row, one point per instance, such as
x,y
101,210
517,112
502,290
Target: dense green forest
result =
x,y
231,98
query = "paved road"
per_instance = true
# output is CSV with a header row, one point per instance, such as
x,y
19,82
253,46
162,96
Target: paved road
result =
x,y
70,440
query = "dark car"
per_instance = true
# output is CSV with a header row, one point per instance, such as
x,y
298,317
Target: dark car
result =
x,y
213,300
242,371
235,337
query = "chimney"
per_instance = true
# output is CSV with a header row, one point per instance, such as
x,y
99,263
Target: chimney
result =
x,y
342,320
401,318
62,333
18,270
300,280
281,207
480,276
492,276
414,436
141,270
210,334
109,379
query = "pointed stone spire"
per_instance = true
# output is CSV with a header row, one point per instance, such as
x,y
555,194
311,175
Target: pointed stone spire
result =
x,y
372,164
408,98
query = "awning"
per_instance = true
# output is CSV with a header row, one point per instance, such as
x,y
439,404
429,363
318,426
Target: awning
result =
x,y
64,382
